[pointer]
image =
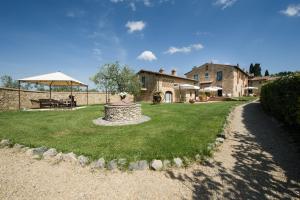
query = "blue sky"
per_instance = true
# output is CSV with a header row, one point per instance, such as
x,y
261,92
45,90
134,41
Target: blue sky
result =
x,y
77,37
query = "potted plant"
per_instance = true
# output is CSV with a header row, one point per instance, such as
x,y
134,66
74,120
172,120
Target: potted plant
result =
x,y
192,100
157,97
122,95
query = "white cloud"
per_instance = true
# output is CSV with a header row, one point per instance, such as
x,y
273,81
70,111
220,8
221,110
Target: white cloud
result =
x,y
202,33
197,46
116,1
224,3
97,53
132,6
173,50
147,56
292,11
187,49
147,3
135,26
75,13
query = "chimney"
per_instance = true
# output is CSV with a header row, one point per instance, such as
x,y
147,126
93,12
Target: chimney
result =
x,y
161,70
173,72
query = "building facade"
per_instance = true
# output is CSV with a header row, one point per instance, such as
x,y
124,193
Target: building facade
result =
x,y
230,78
166,83
258,82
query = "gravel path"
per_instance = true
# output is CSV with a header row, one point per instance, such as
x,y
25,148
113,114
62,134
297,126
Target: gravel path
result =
x,y
257,161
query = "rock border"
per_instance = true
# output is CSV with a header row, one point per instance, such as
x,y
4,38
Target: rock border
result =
x,y
103,122
54,157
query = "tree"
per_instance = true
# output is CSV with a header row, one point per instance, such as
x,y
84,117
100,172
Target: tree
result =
x,y
66,89
7,81
257,69
267,73
114,78
251,69
285,73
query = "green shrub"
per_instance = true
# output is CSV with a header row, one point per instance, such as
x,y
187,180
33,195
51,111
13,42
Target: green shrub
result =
x,y
281,98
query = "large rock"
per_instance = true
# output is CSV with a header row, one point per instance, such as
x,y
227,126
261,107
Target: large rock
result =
x,y
222,135
139,165
143,165
37,157
56,159
50,153
39,150
25,149
70,157
220,140
177,162
83,161
19,147
133,166
5,143
210,146
29,152
36,153
99,164
198,158
112,165
156,165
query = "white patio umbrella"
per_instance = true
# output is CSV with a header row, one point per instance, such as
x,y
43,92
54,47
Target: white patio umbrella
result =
x,y
211,89
186,87
251,88
52,79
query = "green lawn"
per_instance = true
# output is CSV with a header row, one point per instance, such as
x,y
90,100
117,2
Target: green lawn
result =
x,y
174,130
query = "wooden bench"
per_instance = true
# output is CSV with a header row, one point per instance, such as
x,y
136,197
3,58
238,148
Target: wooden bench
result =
x,y
44,103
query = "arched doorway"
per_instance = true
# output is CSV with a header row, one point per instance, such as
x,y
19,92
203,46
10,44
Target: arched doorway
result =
x,y
168,97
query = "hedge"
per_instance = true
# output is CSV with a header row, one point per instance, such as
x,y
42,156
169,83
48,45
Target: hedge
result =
x,y
281,98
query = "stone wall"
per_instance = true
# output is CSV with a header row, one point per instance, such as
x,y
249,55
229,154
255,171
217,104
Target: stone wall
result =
x,y
9,98
123,112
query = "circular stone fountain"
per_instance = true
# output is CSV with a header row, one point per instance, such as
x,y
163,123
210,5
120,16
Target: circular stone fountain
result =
x,y
122,113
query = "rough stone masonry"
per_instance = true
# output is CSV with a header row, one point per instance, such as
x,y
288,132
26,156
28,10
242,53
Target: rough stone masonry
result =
x,y
123,112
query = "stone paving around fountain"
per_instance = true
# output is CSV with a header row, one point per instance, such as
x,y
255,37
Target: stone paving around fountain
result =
x,y
103,122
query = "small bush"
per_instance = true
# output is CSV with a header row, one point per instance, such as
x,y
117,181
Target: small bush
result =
x,y
192,101
157,97
281,98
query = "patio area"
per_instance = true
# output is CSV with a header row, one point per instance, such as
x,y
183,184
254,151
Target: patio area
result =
x,y
56,79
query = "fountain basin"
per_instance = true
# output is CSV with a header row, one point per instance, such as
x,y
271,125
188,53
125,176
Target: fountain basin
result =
x,y
122,112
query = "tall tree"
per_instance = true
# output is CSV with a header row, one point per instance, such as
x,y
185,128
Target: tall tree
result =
x,y
7,81
251,69
267,73
285,73
257,69
115,78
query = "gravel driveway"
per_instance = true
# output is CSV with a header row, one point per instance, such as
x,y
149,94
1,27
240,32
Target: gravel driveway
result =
x,y
257,161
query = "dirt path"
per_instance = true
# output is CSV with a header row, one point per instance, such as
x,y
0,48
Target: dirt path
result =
x,y
255,162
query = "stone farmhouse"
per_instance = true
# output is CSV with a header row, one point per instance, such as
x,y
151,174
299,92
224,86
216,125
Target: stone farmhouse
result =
x,y
259,81
231,78
166,83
